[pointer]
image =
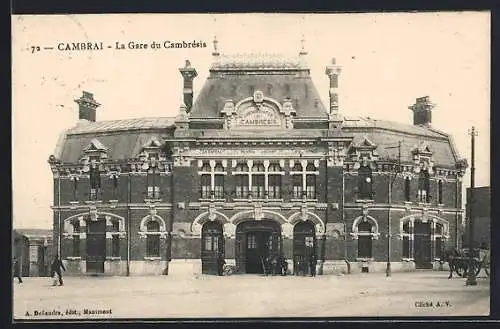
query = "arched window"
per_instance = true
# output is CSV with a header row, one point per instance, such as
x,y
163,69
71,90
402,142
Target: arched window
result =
x,y
153,239
274,181
365,182
440,192
407,188
423,186
242,181
365,240
219,181
258,181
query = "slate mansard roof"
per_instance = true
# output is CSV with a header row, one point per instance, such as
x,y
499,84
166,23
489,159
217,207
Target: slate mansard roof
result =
x,y
278,77
235,78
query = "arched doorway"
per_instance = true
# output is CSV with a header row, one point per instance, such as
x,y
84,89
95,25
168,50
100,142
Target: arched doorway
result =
x,y
422,245
96,245
212,245
257,240
304,246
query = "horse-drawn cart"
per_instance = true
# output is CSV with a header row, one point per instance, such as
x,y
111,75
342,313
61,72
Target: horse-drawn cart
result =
x,y
461,263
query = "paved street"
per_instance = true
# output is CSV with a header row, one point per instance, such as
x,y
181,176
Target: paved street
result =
x,y
369,294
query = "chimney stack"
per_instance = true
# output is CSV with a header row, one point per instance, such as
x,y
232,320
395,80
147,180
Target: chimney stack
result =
x,y
188,74
333,72
87,107
422,111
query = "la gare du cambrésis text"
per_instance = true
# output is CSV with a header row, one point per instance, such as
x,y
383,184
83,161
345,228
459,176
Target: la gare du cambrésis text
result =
x,y
77,46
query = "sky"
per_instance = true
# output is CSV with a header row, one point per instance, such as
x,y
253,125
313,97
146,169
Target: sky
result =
x,y
387,59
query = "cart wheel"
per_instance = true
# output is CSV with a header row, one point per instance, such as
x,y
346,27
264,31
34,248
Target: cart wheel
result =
x,y
477,267
460,270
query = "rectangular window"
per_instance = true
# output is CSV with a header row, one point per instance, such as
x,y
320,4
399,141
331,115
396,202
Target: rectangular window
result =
x,y
406,247
215,243
407,189
364,246
115,245
274,187
205,186
153,192
208,243
76,245
95,185
115,187
297,186
242,186
153,245
219,186
75,189
153,181
311,187
439,247
309,242
251,242
258,187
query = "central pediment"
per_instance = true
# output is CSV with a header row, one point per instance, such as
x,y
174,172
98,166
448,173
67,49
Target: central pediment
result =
x,y
258,112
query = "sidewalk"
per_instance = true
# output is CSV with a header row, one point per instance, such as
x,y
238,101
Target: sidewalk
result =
x,y
371,294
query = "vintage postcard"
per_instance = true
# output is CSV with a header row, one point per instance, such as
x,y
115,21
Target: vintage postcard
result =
x,y
250,165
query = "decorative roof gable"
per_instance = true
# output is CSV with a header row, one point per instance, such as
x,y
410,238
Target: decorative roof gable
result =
x,y
95,146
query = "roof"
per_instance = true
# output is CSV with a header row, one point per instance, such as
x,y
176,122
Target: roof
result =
x,y
34,233
85,127
278,77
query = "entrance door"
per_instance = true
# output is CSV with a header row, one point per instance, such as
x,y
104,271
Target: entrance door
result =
x,y
212,245
256,241
304,246
422,245
96,246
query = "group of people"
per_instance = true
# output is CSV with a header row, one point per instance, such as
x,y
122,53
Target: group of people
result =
x,y
55,268
275,265
305,265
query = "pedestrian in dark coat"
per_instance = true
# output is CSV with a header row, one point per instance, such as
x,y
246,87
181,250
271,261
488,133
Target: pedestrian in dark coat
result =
x,y
312,265
17,270
283,265
56,267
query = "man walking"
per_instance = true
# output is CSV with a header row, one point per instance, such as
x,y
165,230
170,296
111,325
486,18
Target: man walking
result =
x,y
17,270
56,268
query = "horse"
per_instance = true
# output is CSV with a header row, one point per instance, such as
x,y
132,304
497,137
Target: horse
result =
x,y
456,261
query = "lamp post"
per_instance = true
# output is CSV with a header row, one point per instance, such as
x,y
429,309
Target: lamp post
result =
x,y
471,273
389,200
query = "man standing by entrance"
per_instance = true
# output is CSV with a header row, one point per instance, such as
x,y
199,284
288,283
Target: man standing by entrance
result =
x,y
220,264
17,270
312,264
56,268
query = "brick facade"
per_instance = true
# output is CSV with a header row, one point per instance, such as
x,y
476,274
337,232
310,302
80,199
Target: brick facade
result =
x,y
356,208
